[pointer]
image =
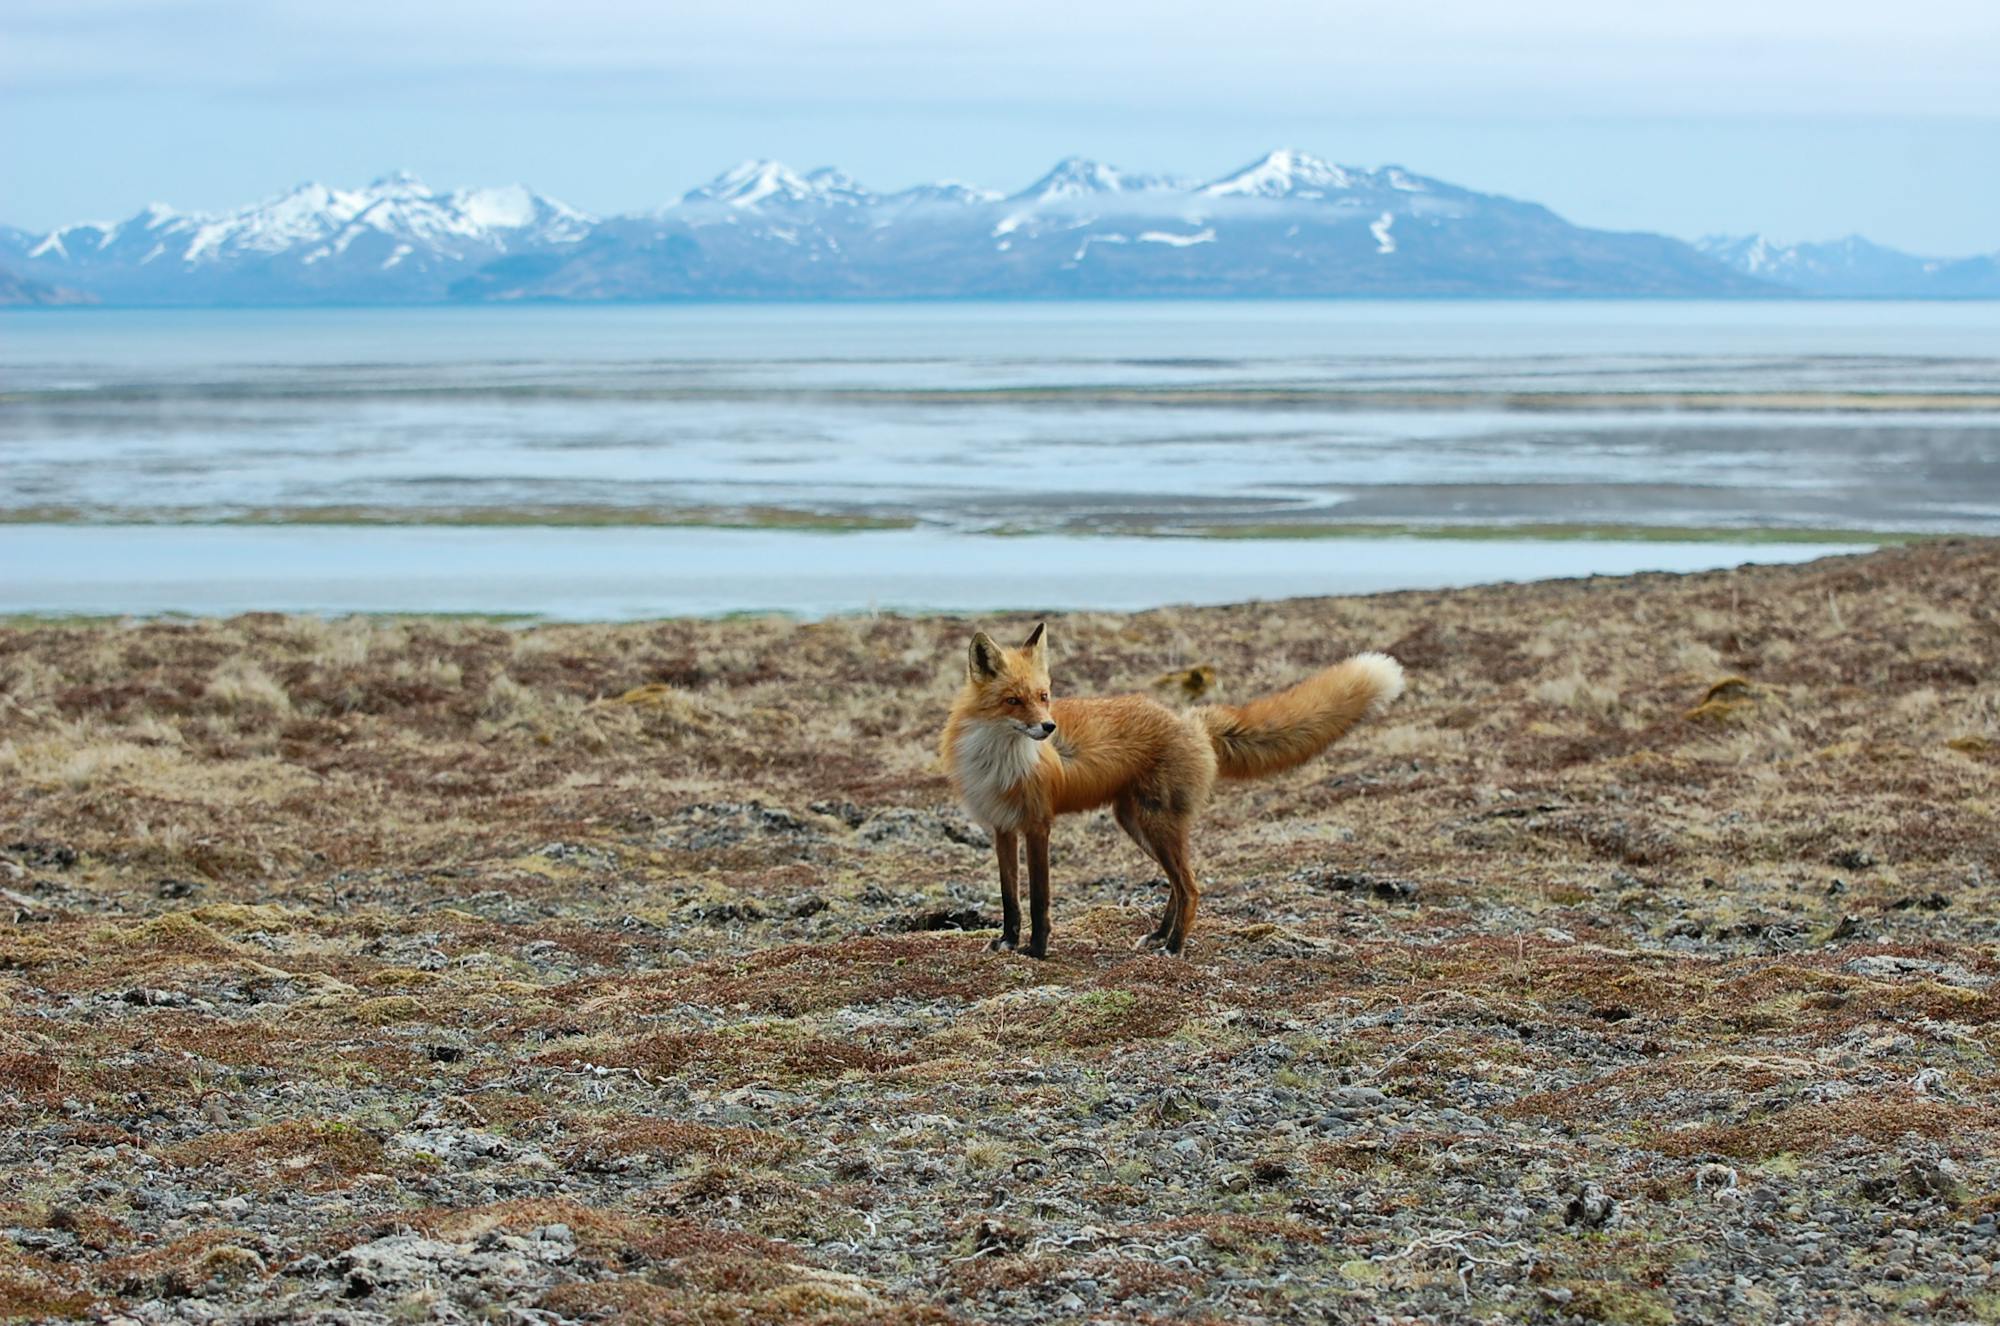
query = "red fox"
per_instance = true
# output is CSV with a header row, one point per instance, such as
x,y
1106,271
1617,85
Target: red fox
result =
x,y
1018,759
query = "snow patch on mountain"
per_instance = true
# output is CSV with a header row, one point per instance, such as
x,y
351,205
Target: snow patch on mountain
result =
x,y
1088,240
508,208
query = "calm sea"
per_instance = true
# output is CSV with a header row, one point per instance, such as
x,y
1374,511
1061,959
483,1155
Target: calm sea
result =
x,y
526,458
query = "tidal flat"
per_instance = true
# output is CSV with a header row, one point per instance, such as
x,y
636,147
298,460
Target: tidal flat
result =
x,y
1639,965
1170,418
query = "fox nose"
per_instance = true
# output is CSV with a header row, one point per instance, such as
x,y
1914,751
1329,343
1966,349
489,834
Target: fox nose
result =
x,y
1048,728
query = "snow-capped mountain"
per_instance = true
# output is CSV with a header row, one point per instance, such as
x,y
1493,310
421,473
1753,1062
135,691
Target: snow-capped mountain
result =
x,y
772,185
1286,224
1286,173
949,192
1855,267
1076,178
395,238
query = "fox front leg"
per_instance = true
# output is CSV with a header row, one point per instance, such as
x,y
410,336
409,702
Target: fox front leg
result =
x,y
1038,891
1007,847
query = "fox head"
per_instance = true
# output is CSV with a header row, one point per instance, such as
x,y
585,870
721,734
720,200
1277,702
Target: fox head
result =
x,y
1010,685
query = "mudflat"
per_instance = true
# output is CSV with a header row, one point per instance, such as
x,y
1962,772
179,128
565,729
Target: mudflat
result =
x,y
1638,965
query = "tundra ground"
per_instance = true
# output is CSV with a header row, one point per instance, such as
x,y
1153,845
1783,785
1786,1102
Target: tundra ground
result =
x,y
1639,965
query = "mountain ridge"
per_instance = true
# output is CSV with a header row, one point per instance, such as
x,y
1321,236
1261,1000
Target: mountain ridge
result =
x,y
1855,267
1289,224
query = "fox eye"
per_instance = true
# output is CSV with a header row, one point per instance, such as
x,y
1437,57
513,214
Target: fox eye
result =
x,y
1014,700
1045,697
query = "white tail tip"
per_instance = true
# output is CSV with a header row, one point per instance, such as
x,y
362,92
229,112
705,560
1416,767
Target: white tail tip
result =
x,y
1385,676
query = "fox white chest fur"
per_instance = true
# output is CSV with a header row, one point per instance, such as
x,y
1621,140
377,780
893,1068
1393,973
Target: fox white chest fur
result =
x,y
992,759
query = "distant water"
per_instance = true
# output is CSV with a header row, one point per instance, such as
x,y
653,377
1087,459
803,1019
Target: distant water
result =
x,y
626,574
970,419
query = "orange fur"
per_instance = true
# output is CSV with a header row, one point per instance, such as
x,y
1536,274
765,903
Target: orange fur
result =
x,y
1019,758
1283,731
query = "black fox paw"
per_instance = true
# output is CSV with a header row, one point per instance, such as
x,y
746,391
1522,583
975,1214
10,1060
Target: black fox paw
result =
x,y
1002,945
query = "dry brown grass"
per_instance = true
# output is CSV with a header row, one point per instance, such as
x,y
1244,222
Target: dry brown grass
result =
x,y
296,1153
1810,1128
673,1140
40,1297
1642,873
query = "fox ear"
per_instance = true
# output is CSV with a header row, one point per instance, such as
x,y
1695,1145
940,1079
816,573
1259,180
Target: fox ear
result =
x,y
984,657
1034,640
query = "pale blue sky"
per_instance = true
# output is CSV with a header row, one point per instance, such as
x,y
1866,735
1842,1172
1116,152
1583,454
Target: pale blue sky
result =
x,y
1806,119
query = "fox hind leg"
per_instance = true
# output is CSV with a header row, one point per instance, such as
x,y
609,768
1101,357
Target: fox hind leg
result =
x,y
1187,895
1178,858
1126,811
1162,831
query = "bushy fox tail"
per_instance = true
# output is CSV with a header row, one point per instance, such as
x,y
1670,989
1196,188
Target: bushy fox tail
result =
x,y
1283,731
